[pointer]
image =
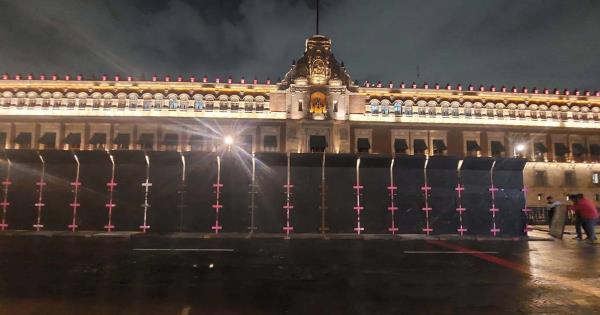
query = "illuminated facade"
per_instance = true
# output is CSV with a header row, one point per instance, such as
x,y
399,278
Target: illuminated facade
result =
x,y
315,107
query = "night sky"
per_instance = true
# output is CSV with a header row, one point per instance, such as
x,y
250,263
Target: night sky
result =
x,y
543,43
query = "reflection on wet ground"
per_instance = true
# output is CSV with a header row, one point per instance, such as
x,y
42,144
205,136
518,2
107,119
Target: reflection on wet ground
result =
x,y
63,275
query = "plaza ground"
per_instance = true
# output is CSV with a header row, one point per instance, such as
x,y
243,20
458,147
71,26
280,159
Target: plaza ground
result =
x,y
58,273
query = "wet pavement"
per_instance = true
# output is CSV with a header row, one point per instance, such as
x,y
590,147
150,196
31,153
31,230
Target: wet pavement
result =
x,y
165,275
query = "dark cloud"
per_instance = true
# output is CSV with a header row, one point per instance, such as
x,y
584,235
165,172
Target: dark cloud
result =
x,y
522,43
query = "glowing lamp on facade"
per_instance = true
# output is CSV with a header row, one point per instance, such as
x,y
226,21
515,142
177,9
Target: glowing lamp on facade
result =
x,y
518,148
228,140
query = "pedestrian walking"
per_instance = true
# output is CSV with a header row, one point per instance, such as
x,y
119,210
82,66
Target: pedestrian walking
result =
x,y
586,216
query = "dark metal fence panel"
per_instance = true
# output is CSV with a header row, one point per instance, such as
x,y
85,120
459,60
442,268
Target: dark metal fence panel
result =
x,y
340,197
375,178
271,175
508,177
95,172
61,170
166,171
201,175
410,177
130,174
236,172
23,193
306,173
442,177
476,178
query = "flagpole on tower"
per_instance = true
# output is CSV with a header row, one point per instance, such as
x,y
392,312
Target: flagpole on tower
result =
x,y
317,33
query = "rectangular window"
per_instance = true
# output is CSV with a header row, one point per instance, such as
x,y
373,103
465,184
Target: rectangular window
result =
x,y
540,178
595,178
570,178
300,106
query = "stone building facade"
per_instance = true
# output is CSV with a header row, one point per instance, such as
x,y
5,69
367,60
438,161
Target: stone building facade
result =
x,y
315,107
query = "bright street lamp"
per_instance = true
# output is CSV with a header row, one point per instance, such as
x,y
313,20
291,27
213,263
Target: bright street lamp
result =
x,y
228,140
518,148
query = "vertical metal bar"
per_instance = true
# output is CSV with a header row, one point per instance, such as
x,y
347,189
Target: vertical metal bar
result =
x,y
252,196
494,230
75,204
323,207
111,188
358,207
392,207
40,202
5,203
147,184
217,206
288,206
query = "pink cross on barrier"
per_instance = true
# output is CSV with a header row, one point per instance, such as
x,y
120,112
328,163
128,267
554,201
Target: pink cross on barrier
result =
x,y
76,184
217,206
109,227
495,231
39,204
393,229
6,182
392,188
72,226
4,204
288,206
461,230
461,209
493,190
38,226
358,228
216,227
426,188
110,206
111,185
40,183
287,229
426,209
392,209
358,209
459,188
358,188
3,226
427,230
493,209
74,205
286,186
144,227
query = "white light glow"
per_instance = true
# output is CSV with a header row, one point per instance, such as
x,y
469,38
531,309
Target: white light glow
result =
x,y
228,140
520,147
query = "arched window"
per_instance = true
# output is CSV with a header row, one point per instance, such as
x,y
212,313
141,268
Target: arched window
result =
x,y
398,107
173,104
198,105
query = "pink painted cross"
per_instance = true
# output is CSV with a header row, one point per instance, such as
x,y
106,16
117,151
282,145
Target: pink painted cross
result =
x,y
358,228
109,227
6,182
493,190
216,227
393,229
392,188
287,229
76,184
495,231
461,209
72,226
392,209
144,227
3,225
74,205
426,188
426,208
427,230
461,230
459,188
358,209
288,206
494,209
111,185
4,204
38,226
40,183
110,206
217,206
358,187
39,204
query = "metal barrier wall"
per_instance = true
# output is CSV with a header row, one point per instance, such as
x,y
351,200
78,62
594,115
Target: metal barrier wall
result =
x,y
162,192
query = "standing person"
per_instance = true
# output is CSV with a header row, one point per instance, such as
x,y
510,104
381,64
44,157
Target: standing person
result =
x,y
551,207
587,215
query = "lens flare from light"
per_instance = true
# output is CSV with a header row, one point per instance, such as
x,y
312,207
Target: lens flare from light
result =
x,y
228,140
